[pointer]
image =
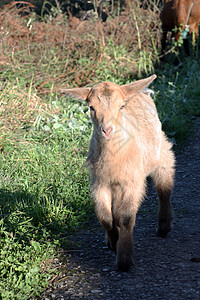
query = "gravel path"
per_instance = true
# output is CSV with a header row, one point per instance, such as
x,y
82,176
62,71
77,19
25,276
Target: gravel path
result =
x,y
164,268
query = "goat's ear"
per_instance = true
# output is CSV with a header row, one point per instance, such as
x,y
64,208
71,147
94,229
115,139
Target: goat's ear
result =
x,y
136,86
76,93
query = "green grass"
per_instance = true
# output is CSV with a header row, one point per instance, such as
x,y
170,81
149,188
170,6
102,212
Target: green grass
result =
x,y
25,266
177,93
44,192
44,184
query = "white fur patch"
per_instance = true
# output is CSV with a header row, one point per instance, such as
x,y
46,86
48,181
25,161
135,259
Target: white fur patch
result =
x,y
148,92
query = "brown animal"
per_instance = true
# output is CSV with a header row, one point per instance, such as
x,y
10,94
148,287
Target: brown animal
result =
x,y
179,13
127,145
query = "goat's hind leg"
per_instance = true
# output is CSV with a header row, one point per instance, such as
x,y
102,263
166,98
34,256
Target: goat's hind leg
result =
x,y
164,180
165,212
112,237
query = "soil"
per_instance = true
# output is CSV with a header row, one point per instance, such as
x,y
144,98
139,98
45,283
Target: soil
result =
x,y
166,268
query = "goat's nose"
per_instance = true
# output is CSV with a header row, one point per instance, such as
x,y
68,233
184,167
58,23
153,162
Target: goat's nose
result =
x,y
107,131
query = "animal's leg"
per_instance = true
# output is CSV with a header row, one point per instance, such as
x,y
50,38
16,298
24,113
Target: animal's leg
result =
x,y
186,46
125,214
112,237
103,203
164,180
164,213
125,243
163,40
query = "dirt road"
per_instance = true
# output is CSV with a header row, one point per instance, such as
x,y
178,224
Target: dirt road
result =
x,y
164,268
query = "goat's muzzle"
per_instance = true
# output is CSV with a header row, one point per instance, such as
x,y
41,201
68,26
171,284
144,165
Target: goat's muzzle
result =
x,y
106,132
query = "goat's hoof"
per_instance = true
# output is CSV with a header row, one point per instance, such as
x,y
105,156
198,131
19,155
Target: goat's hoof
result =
x,y
125,265
162,233
163,229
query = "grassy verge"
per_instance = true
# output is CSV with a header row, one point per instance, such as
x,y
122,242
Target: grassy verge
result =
x,y
177,93
44,186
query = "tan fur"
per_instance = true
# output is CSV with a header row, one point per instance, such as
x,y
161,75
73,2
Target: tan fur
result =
x,y
127,145
175,13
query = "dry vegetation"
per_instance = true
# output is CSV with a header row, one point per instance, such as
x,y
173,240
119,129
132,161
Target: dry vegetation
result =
x,y
136,30
39,55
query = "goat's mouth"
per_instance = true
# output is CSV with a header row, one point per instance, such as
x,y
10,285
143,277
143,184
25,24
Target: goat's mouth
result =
x,y
107,138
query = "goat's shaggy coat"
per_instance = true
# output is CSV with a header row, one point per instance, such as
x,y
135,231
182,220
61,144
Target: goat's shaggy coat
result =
x,y
179,13
127,145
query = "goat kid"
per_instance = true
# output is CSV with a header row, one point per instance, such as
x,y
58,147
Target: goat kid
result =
x,y
180,13
127,145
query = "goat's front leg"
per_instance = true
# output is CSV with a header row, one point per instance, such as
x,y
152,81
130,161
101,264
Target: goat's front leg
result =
x,y
125,243
103,207
125,215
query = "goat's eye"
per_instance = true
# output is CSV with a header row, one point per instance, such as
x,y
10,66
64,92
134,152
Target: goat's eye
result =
x,y
122,107
92,108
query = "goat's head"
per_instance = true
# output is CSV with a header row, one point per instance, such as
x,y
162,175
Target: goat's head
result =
x,y
107,102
